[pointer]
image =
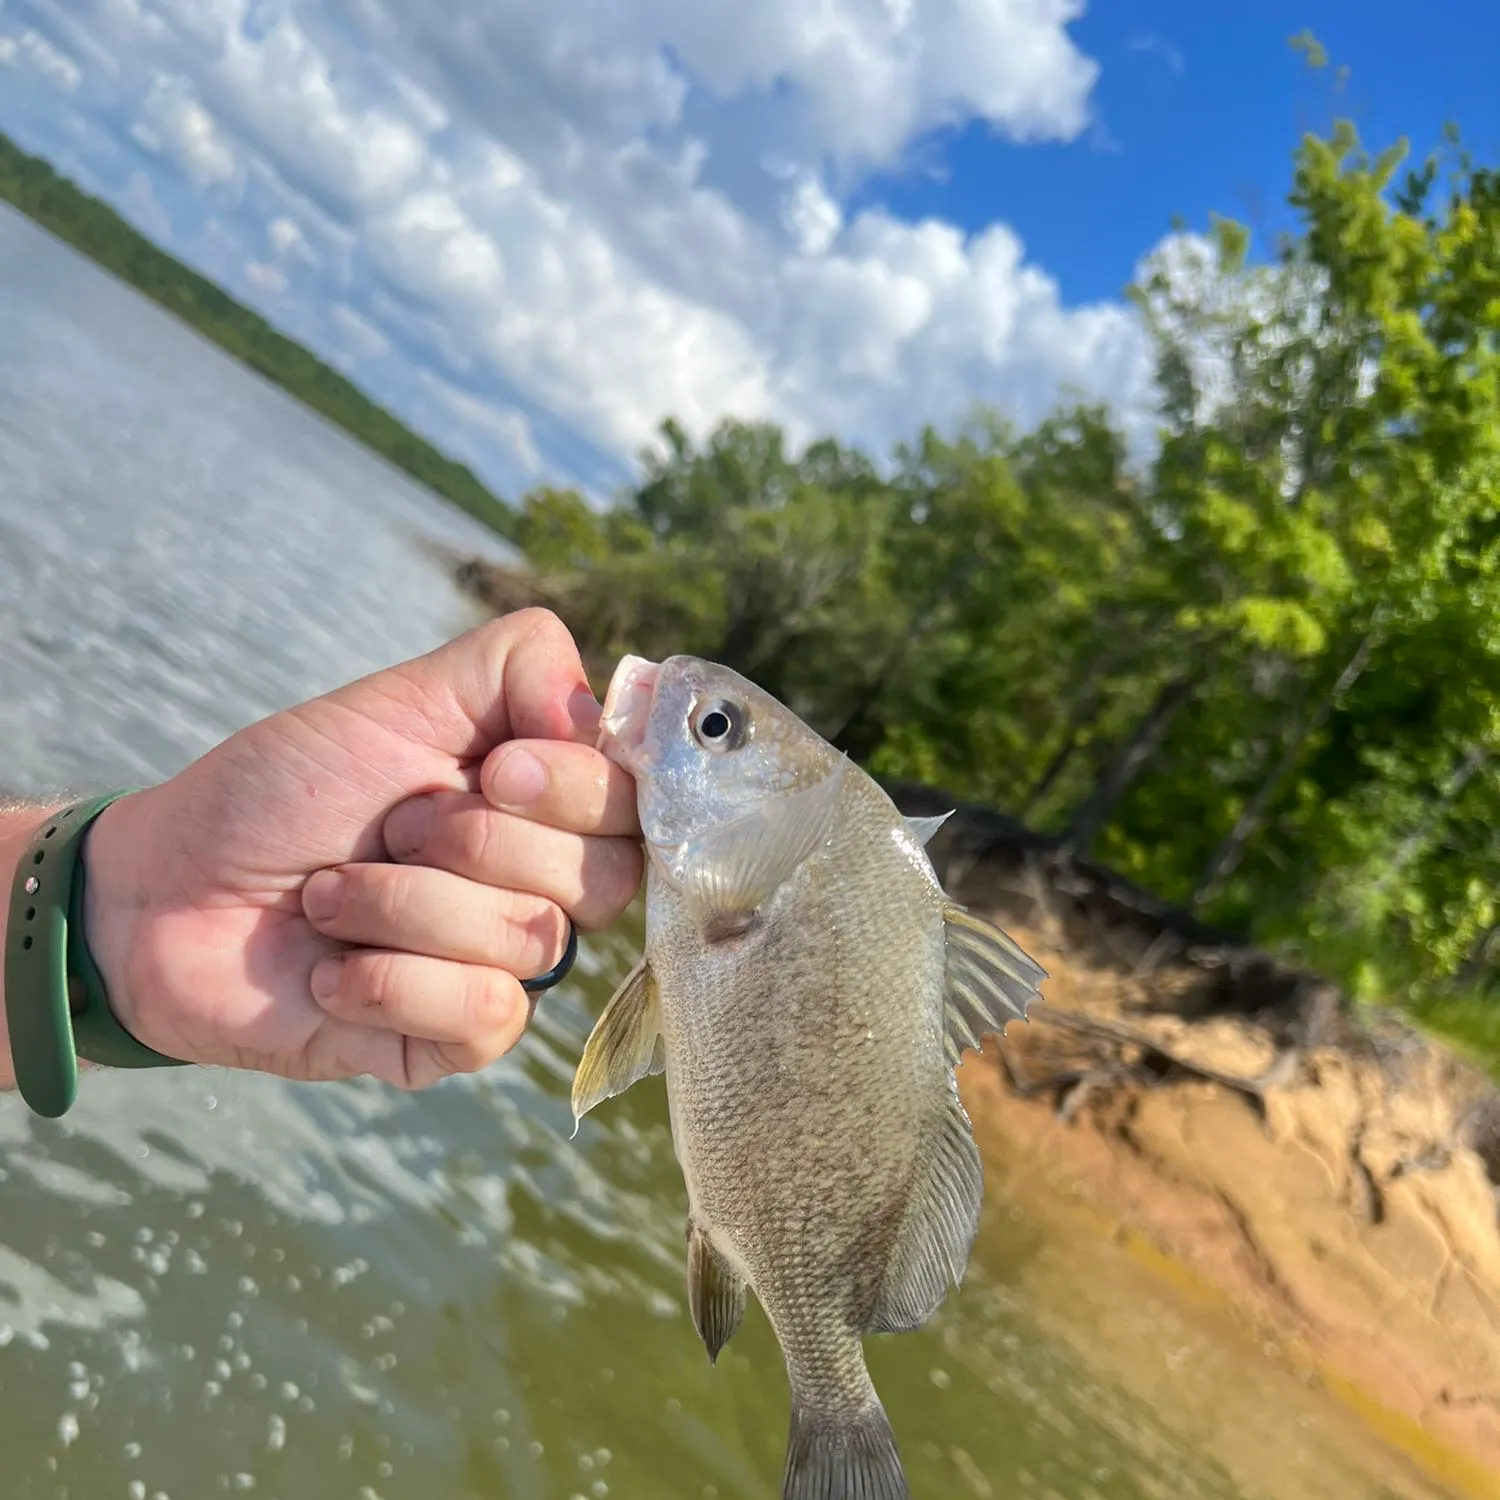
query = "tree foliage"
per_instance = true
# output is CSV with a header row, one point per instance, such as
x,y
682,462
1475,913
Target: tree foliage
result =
x,y
1259,671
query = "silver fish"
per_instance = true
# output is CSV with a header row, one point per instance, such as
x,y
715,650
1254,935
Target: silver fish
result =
x,y
808,990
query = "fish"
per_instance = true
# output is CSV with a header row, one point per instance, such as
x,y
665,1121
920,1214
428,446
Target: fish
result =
x,y
808,990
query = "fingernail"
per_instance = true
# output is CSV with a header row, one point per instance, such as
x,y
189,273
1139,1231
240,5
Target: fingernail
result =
x,y
323,895
584,710
325,976
518,778
406,828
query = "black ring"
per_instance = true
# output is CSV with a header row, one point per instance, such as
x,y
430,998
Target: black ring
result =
x,y
559,971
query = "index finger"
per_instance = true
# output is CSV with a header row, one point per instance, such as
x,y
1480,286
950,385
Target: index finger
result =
x,y
568,786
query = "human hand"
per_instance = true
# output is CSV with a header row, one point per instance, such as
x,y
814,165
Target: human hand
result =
x,y
358,885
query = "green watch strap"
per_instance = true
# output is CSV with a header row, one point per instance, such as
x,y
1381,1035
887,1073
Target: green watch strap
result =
x,y
55,1000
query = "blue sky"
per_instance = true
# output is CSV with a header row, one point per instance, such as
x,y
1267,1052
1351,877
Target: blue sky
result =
x,y
1200,114
535,231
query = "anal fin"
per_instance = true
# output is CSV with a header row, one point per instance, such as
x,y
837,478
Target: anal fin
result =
x,y
991,981
937,1231
624,1046
716,1292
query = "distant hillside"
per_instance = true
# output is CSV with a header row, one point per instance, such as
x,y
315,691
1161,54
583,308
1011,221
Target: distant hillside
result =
x,y
94,228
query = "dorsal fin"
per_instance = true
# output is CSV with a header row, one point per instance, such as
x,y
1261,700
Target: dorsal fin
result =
x,y
923,829
990,981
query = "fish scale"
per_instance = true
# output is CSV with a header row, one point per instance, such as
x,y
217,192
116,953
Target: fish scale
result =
x,y
807,989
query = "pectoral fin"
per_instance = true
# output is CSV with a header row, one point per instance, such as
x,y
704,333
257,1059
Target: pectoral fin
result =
x,y
624,1046
990,981
923,829
730,872
716,1292
937,1230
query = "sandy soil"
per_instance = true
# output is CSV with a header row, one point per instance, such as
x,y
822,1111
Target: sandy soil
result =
x,y
1326,1192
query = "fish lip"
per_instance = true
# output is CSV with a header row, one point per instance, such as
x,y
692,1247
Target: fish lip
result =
x,y
627,710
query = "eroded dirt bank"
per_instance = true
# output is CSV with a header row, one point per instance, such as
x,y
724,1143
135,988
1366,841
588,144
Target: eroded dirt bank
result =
x,y
1331,1176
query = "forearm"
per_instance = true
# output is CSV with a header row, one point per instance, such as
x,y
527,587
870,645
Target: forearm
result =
x,y
18,820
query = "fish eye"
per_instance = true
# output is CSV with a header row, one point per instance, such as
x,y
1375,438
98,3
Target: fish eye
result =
x,y
719,724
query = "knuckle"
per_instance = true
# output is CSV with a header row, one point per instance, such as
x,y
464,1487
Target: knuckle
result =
x,y
612,876
486,839
536,620
489,1001
387,896
469,1057
544,936
505,633
373,981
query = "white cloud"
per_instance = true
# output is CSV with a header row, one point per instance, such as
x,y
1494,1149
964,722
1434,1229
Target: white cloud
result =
x,y
174,123
506,424
267,277
55,65
1149,41
811,217
864,75
607,214
289,242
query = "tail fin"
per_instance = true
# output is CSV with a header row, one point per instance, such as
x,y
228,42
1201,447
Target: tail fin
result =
x,y
842,1456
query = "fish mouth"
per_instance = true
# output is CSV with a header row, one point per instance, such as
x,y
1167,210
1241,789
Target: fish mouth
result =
x,y
627,709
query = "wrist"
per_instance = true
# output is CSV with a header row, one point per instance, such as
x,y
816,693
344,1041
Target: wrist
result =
x,y
114,899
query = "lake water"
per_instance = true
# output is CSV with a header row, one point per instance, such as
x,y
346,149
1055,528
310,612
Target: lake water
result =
x,y
216,1284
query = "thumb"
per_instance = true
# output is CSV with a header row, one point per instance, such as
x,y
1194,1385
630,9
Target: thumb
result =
x,y
518,676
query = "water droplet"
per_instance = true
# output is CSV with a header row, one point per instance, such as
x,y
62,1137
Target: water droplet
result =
x,y
276,1437
67,1428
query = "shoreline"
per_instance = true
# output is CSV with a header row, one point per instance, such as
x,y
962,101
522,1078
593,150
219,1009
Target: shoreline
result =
x,y
91,228
1328,1178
